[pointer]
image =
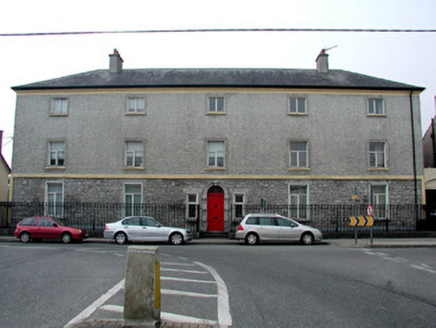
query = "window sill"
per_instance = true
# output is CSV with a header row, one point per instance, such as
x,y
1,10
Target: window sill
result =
x,y
131,168
378,169
216,113
134,114
376,115
57,115
56,168
215,168
299,169
297,114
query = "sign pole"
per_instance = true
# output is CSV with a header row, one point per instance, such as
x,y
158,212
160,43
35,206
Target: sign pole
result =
x,y
370,213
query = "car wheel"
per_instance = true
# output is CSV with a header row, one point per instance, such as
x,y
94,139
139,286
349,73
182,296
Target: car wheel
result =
x,y
25,237
120,238
307,238
66,238
176,238
252,239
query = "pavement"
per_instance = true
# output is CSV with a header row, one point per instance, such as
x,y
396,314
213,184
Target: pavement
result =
x,y
341,242
345,242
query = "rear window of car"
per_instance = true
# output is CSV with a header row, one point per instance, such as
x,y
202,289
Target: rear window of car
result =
x,y
30,222
136,221
253,221
267,221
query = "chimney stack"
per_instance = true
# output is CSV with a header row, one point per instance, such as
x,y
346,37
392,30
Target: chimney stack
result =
x,y
116,63
322,62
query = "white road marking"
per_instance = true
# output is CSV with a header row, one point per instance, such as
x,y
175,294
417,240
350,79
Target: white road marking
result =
x,y
184,271
385,256
224,317
423,267
165,316
183,293
177,264
113,308
188,280
186,319
94,306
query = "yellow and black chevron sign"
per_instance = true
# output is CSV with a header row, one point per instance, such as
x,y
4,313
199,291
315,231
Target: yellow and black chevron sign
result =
x,y
361,221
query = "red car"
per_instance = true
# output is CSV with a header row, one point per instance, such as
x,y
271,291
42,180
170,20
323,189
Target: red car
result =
x,y
47,228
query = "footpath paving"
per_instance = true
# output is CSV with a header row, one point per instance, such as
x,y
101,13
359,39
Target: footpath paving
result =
x,y
341,242
346,243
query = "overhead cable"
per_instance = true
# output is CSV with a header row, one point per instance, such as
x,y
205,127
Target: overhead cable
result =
x,y
341,30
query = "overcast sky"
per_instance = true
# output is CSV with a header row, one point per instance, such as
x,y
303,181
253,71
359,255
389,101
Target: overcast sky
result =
x,y
403,57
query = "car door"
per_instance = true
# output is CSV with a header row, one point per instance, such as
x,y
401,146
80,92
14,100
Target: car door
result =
x,y
288,229
30,225
153,230
268,228
132,226
48,229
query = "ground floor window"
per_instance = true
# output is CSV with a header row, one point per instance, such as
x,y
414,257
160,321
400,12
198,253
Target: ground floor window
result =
x,y
54,199
133,199
379,199
239,206
298,202
192,208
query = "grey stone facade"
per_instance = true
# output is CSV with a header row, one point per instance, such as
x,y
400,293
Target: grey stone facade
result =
x,y
274,191
256,128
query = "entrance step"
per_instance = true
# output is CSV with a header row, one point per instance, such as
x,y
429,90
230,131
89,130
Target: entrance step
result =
x,y
211,234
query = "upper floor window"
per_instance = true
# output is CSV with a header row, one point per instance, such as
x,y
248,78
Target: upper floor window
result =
x,y
216,154
298,154
136,105
375,106
134,154
297,105
57,153
216,105
59,106
377,155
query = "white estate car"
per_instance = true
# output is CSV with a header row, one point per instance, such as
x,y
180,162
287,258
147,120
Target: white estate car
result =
x,y
273,227
145,228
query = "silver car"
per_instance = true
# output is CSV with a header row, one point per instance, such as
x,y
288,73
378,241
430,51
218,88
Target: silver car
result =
x,y
255,228
144,228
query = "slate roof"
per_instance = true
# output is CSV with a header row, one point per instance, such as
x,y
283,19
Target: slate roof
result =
x,y
219,77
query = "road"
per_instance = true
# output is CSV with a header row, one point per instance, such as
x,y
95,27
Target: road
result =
x,y
50,284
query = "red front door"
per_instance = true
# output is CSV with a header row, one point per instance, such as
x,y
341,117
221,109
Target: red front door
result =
x,y
215,209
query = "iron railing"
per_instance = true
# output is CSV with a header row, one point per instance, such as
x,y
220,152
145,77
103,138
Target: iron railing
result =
x,y
327,218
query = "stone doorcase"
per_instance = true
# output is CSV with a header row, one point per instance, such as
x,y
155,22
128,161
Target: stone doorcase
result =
x,y
204,210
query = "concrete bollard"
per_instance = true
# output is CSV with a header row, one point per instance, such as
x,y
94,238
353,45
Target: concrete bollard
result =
x,y
142,288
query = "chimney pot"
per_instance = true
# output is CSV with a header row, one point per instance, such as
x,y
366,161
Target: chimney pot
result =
x,y
115,63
